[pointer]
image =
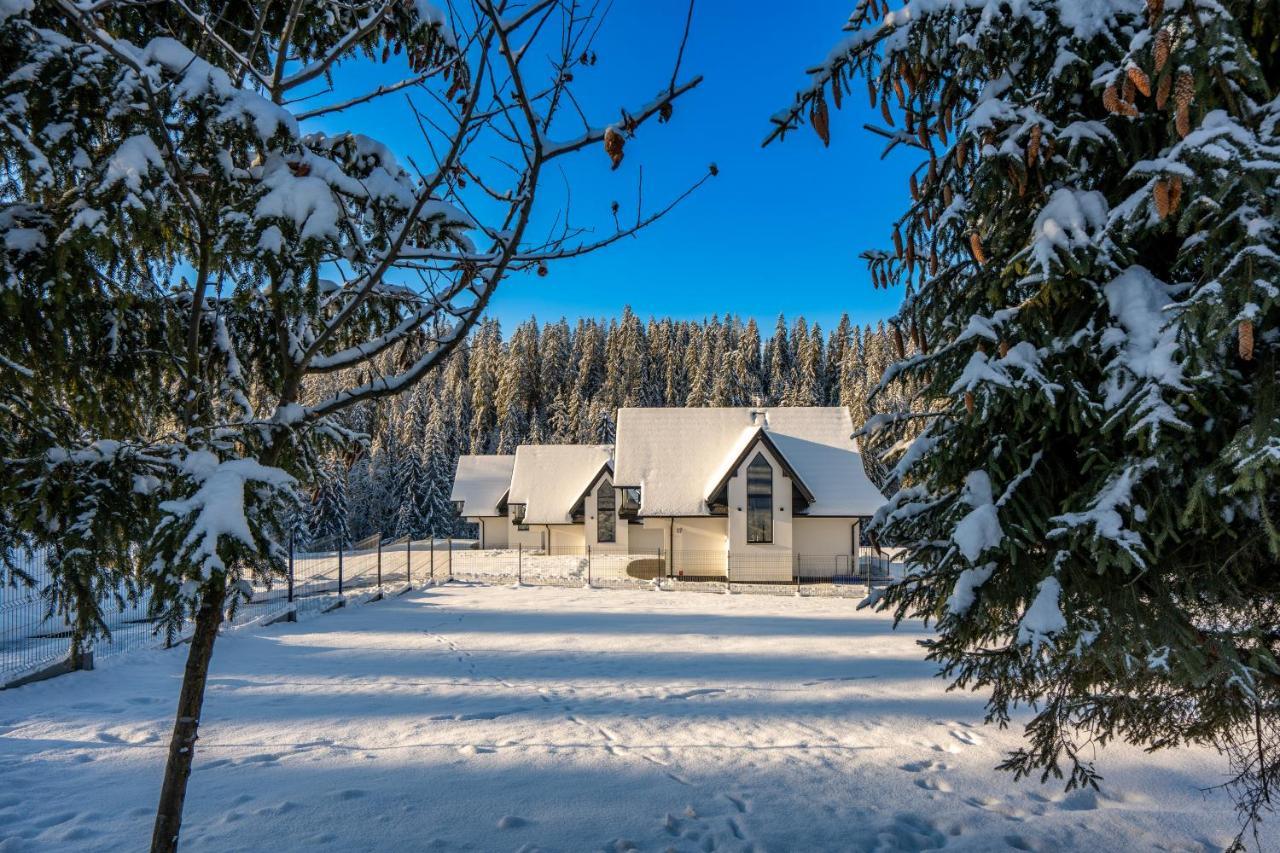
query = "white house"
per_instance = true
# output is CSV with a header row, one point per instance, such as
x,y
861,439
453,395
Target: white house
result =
x,y
769,494
480,488
780,491
548,502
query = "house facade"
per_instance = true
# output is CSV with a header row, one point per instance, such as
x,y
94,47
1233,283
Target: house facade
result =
x,y
764,493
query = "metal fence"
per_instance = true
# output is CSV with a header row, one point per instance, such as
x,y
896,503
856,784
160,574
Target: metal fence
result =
x,y
32,638
605,566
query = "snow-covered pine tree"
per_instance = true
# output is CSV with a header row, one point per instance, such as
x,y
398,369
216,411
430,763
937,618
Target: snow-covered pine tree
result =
x,y
779,363
483,371
327,521
626,361
698,367
517,387
435,511
553,369
161,160
1091,256
837,344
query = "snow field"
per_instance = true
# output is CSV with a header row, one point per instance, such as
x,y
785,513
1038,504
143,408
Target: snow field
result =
x,y
470,717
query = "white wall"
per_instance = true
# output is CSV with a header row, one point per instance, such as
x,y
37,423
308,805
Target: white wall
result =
x,y
620,543
761,561
541,535
646,539
699,546
568,536
824,546
493,531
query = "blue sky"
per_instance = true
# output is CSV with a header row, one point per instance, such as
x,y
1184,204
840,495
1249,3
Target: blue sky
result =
x,y
779,230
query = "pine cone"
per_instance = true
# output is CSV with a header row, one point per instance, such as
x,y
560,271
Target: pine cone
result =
x,y
1155,8
1245,333
1111,98
871,91
962,153
1183,95
1160,193
837,91
1033,146
613,145
897,240
968,402
1162,90
898,343
819,119
1175,193
897,90
1004,348
1139,80
915,187
946,195
1163,47
884,111
975,245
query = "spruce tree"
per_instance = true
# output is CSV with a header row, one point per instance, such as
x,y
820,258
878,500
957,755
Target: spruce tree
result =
x,y
328,520
778,382
1089,259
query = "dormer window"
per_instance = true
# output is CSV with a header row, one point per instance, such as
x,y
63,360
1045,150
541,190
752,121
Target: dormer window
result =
x,y
517,513
630,506
759,501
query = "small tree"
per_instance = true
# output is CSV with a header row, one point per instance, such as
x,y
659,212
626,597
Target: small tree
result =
x,y
1090,257
174,231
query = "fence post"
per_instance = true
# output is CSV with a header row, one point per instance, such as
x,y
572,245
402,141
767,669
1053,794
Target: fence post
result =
x,y
519,562
290,581
408,559
588,565
339,567
433,557
449,542
379,561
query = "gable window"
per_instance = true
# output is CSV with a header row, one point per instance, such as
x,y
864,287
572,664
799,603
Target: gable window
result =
x,y
759,501
606,521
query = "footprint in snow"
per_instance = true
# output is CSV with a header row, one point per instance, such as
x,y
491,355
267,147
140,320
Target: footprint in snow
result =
x,y
511,822
967,738
920,766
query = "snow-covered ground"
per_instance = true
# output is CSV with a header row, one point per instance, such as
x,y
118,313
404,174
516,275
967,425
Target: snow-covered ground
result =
x,y
492,718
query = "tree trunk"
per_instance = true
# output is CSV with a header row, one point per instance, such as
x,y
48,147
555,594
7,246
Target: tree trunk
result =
x,y
177,769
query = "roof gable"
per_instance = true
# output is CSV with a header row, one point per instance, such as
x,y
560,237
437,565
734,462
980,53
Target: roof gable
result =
x,y
756,437
677,456
550,479
481,483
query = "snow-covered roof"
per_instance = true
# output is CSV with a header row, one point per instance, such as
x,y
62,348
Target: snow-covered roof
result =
x,y
678,456
481,482
549,479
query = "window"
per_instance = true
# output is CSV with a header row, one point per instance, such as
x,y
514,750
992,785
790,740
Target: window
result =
x,y
606,522
759,501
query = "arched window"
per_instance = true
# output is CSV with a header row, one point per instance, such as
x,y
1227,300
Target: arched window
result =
x,y
759,501
606,521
